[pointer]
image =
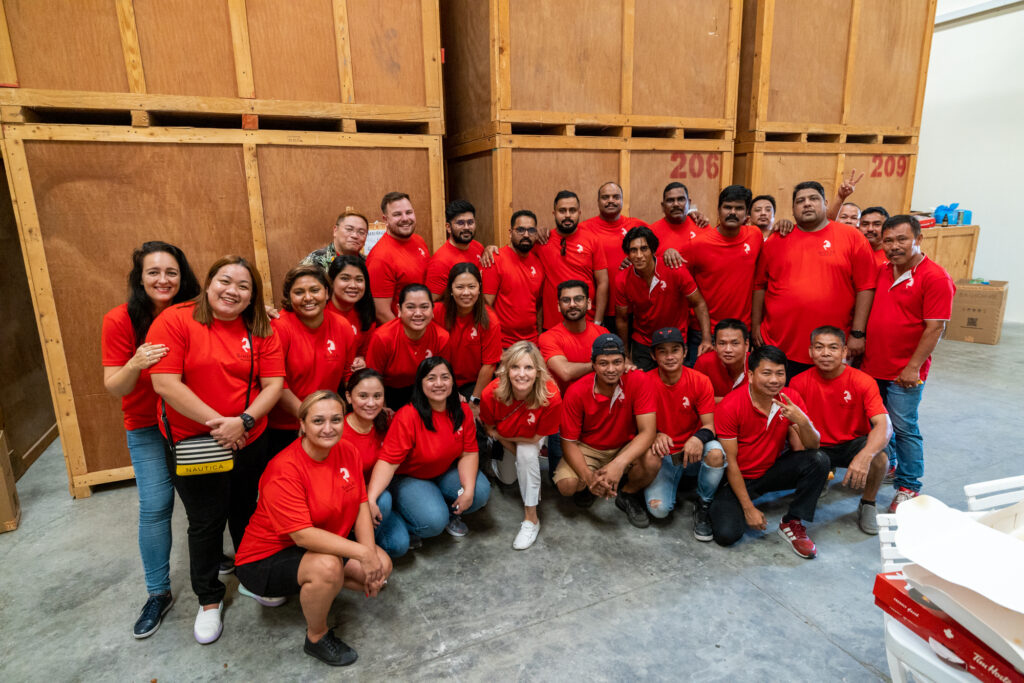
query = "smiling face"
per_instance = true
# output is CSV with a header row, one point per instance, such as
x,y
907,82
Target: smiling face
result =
x,y
349,285
732,214
322,425
573,303
609,201
609,368
762,214
462,228
308,297
438,385
230,291
367,398
350,235
465,291
522,374
400,218
827,352
669,356
808,207
768,378
675,204
416,311
640,255
161,278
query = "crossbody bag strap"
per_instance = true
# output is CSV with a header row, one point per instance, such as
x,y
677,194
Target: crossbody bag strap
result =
x,y
167,425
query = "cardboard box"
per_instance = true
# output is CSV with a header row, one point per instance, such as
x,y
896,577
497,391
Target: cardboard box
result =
x,y
924,618
10,508
978,312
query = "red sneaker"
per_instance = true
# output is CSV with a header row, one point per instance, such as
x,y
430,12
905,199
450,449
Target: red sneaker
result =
x,y
902,495
795,533
890,475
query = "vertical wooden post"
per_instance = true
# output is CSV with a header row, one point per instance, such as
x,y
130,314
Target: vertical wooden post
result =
x,y
344,48
8,74
431,53
838,177
624,181
240,46
762,63
501,78
502,172
435,168
628,31
851,56
732,64
256,221
926,51
130,46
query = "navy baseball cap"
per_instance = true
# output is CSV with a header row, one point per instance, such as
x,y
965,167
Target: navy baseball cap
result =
x,y
607,344
667,335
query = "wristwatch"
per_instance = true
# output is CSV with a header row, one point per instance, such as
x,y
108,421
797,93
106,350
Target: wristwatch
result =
x,y
857,334
475,400
247,421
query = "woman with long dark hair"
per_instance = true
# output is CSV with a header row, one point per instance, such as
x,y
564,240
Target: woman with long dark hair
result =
x,y
222,374
160,277
429,461
351,298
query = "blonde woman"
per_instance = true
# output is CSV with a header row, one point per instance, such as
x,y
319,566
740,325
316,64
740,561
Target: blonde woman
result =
x,y
521,408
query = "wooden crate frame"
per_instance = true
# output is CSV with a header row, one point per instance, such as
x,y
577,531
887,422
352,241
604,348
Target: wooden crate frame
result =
x,y
952,247
501,203
755,86
24,105
502,118
80,479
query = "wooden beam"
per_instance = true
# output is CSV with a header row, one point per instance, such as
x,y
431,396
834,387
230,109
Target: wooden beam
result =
x,y
624,182
762,63
502,57
8,73
130,46
628,38
503,187
431,29
241,48
256,220
732,64
33,452
851,55
435,169
344,48
922,78
105,476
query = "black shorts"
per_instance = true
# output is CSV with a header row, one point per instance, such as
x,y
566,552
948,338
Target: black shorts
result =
x,y
277,575
842,454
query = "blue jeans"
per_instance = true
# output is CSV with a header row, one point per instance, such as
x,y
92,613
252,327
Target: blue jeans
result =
x,y
423,505
391,534
666,484
156,503
906,443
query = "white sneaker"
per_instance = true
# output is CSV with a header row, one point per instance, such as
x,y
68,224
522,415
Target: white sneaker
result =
x,y
527,535
265,601
208,626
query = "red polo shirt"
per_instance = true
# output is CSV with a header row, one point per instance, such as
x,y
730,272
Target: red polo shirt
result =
x,y
880,257
471,346
811,279
515,420
709,364
898,316
448,256
601,422
759,438
584,255
675,235
422,453
516,283
394,263
680,405
724,271
559,341
117,345
662,303
397,357
841,408
610,235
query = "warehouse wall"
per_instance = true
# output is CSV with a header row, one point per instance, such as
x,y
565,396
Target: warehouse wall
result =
x,y
972,138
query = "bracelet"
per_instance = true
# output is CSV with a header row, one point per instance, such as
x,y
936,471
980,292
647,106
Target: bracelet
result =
x,y
705,435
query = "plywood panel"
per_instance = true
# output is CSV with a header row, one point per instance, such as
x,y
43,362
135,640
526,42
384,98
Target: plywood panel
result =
x,y
781,172
952,248
293,50
387,51
472,178
98,201
465,37
650,172
887,180
305,188
67,45
539,174
186,47
745,117
679,58
566,56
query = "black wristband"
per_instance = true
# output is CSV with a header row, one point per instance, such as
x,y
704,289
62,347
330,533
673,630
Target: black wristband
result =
x,y
857,334
705,435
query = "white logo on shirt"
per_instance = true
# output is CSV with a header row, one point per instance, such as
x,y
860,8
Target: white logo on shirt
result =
x,y
344,473
533,272
422,253
826,244
664,285
355,330
531,419
245,345
623,232
459,430
472,333
910,282
330,346
746,248
686,401
692,234
428,353
847,397
579,248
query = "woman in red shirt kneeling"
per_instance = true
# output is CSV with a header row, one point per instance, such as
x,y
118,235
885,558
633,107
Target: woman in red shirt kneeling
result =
x,y
429,462
311,497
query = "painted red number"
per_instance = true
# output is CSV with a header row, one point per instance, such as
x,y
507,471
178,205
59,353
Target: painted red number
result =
x,y
888,166
901,166
714,165
876,171
680,170
697,165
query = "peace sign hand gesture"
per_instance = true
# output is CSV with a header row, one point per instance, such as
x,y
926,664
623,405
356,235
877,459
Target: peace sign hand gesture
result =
x,y
849,184
790,410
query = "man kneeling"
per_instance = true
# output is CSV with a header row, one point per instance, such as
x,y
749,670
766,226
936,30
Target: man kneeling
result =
x,y
608,425
685,442
753,428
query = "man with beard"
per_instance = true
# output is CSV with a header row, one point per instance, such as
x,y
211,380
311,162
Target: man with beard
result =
x,y
821,274
871,220
572,254
460,247
399,258
762,214
514,288
849,214
726,364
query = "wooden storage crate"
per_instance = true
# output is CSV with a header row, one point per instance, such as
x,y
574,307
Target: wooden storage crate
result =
x,y
518,66
952,247
504,173
358,63
86,196
841,67
10,507
775,167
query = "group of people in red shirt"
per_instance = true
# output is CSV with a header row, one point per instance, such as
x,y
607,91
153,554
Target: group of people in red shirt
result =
x,y
373,409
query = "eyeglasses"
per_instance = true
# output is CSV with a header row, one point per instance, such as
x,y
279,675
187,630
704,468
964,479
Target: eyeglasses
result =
x,y
572,300
464,223
525,231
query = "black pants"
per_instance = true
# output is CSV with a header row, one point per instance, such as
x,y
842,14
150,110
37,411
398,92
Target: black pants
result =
x,y
642,357
213,500
280,439
396,397
806,471
842,454
693,340
794,368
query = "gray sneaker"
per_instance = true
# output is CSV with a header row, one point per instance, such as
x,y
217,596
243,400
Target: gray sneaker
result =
x,y
702,522
456,527
866,519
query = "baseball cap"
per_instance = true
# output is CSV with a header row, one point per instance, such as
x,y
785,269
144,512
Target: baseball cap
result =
x,y
667,335
607,344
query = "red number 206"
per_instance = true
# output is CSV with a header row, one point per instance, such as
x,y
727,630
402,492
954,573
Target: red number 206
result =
x,y
697,164
887,166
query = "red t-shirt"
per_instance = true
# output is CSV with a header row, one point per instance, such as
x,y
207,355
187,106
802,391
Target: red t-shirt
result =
x,y
675,236
610,237
841,408
297,492
724,271
352,317
397,357
448,256
680,405
710,365
394,263
214,363
117,345
471,346
811,279
584,256
426,454
601,422
516,283
880,257
559,341
759,438
516,420
313,359
367,445
898,316
662,303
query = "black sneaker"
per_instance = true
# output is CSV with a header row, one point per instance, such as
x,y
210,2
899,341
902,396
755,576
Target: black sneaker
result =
x,y
635,508
152,614
583,498
330,650
227,565
702,522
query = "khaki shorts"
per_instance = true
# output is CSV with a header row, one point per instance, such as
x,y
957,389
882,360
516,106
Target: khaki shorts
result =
x,y
594,458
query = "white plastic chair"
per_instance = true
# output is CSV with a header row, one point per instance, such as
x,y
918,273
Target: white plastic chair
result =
x,y
986,495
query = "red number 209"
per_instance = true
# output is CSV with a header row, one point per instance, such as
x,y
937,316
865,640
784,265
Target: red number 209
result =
x,y
888,165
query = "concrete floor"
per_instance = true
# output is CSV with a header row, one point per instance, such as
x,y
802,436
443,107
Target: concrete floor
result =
x,y
594,598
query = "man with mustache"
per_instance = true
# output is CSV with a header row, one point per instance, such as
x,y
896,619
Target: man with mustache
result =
x,y
460,247
514,289
913,302
573,254
680,223
871,220
399,258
